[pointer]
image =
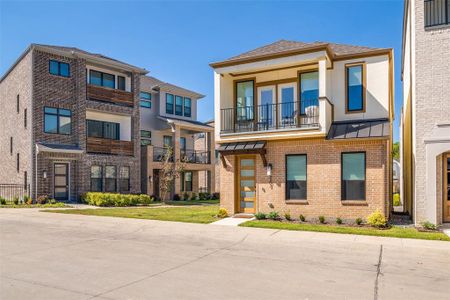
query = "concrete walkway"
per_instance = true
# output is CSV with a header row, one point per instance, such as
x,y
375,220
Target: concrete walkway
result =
x,y
232,221
57,256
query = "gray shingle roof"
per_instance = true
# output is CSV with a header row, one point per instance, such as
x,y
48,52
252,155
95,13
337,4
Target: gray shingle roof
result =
x,y
155,83
359,129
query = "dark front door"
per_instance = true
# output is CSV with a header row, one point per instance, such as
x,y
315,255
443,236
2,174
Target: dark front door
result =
x,y
61,180
156,182
447,188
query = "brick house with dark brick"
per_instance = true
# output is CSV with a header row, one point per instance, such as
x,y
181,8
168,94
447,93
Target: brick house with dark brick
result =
x,y
70,122
305,128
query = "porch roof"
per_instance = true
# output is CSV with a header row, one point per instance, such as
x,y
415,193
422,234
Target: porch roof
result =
x,y
356,129
257,147
189,124
59,148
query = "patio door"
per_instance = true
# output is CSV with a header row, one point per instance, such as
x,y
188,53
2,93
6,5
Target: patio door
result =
x,y
446,188
266,107
288,106
61,181
247,184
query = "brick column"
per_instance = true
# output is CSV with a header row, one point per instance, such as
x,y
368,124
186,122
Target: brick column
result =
x,y
176,155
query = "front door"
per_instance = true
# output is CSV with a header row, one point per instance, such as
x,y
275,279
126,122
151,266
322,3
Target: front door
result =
x,y
447,188
61,181
246,184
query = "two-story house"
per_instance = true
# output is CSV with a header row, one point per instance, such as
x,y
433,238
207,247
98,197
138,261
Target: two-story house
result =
x,y
425,121
168,120
70,123
305,128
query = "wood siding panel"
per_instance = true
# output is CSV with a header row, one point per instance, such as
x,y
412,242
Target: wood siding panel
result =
x,y
107,146
109,95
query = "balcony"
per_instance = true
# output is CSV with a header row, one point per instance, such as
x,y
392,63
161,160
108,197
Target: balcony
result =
x,y
159,154
105,94
195,157
109,146
268,117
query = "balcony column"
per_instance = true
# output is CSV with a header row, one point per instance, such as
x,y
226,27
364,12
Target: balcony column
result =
x,y
212,155
176,134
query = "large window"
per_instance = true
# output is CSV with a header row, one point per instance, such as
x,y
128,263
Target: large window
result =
x,y
110,178
187,107
57,120
169,104
101,129
124,179
309,91
146,137
437,12
353,168
355,88
167,141
186,181
146,99
244,100
296,177
102,79
96,179
59,68
183,143
178,105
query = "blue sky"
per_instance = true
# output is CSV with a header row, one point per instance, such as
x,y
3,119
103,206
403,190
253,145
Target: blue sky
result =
x,y
176,40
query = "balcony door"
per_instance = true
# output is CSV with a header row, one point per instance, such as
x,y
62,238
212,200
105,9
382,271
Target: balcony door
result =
x,y
266,107
287,104
446,188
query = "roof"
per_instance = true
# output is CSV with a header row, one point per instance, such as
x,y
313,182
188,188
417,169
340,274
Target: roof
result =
x,y
61,148
186,122
155,83
294,47
243,146
375,128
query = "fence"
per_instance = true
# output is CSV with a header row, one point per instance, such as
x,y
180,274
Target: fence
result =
x,y
10,192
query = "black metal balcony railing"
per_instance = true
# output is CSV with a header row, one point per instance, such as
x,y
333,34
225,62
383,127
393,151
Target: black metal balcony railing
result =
x,y
297,114
437,12
195,157
159,154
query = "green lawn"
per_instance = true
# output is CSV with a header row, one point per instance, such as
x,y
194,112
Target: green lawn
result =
x,y
193,202
397,232
194,214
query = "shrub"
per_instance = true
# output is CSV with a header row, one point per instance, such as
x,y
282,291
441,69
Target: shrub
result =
x,y
358,221
16,200
223,213
185,196
376,219
2,201
287,216
112,199
273,215
260,216
201,196
145,199
338,221
215,196
396,200
27,200
53,201
194,196
302,218
207,196
428,225
176,197
42,199
322,219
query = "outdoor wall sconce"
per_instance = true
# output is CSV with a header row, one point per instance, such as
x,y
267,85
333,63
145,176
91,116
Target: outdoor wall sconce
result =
x,y
269,170
44,174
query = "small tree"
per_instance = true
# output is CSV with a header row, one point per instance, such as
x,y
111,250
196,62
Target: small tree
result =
x,y
169,172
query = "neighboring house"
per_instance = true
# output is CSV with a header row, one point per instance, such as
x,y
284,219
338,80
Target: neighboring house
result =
x,y
305,128
169,119
70,119
425,121
201,144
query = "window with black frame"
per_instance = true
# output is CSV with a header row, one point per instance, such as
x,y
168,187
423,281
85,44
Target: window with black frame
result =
x,y
178,105
296,177
102,79
102,129
124,179
187,107
57,120
110,179
244,100
355,92
169,104
96,179
353,169
186,181
146,137
59,68
436,12
146,100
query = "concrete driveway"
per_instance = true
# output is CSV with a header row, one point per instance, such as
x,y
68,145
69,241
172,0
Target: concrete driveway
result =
x,y
55,256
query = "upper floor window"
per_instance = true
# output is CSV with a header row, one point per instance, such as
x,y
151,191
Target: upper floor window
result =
x,y
437,12
187,107
146,99
146,137
59,68
296,177
353,168
244,100
167,141
178,105
309,92
102,79
121,83
169,104
102,129
57,120
355,88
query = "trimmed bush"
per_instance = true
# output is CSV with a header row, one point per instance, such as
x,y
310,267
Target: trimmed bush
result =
x,y
119,200
338,221
260,216
273,215
2,201
201,196
287,216
215,196
376,219
176,197
358,221
322,219
42,199
194,196
185,196
428,225
223,213
302,218
16,200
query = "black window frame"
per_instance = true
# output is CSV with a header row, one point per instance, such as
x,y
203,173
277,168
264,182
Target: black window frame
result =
x,y
431,19
110,179
170,108
179,107
18,162
11,144
124,180
363,88
184,186
121,80
187,110
287,193
244,117
103,124
25,118
59,68
96,178
145,102
18,103
102,79
58,116
342,176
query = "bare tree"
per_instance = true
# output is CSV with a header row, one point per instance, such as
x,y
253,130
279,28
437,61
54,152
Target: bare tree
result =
x,y
169,172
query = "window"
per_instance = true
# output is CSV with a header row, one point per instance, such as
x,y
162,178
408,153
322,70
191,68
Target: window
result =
x,y
146,137
110,179
353,170
18,162
244,100
296,177
25,118
18,104
124,181
187,107
25,180
437,12
355,89
102,79
146,99
11,145
167,141
96,179
101,129
178,105
121,83
186,181
57,120
59,68
183,143
169,104
309,92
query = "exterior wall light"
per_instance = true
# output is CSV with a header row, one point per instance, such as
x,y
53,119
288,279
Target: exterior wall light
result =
x,y
269,170
44,174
